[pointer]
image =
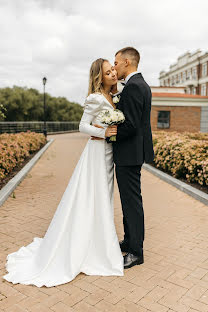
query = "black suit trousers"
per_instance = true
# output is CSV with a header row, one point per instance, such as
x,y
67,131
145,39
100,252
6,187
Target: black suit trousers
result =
x,y
129,184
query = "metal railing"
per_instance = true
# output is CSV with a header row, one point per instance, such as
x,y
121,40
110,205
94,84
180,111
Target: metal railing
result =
x,y
37,126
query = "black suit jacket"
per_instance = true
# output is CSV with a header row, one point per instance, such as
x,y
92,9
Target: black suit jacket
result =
x,y
133,144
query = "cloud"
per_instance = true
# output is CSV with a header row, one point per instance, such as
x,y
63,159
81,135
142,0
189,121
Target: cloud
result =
x,y
60,39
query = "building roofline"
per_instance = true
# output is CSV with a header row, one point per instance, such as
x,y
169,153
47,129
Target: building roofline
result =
x,y
170,71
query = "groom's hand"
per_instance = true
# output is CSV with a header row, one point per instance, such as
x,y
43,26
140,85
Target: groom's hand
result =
x,y
96,138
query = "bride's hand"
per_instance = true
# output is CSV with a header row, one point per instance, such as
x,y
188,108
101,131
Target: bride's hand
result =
x,y
96,138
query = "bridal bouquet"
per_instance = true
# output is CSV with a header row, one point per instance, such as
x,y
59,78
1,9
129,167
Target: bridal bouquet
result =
x,y
112,117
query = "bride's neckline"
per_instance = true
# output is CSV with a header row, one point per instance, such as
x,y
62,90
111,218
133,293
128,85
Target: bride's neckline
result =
x,y
107,100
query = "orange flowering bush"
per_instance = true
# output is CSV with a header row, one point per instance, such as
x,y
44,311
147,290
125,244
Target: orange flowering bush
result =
x,y
14,148
183,155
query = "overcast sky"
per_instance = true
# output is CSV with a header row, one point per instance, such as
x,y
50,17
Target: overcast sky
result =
x,y
60,39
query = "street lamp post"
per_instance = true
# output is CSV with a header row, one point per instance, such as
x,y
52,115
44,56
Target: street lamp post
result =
x,y
44,100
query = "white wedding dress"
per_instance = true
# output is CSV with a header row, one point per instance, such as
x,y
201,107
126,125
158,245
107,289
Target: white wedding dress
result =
x,y
81,236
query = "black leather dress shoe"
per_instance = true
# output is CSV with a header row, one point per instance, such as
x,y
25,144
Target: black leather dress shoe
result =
x,y
124,246
131,260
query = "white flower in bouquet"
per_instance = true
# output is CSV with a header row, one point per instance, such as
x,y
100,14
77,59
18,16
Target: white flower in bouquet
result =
x,y
116,99
112,117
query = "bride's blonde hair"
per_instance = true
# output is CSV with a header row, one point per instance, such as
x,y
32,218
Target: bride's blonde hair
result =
x,y
96,74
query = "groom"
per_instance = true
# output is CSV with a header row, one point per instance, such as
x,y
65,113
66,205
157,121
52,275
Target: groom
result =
x,y
132,148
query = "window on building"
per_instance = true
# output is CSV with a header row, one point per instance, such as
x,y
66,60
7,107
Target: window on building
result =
x,y
184,76
203,90
188,74
174,80
204,69
194,91
194,75
177,79
163,119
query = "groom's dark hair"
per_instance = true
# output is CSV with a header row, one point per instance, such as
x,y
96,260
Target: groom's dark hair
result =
x,y
132,52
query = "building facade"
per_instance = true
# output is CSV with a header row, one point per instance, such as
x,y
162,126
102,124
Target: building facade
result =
x,y
179,112
190,71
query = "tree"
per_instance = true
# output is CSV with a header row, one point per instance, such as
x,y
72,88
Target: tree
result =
x,y
23,104
2,110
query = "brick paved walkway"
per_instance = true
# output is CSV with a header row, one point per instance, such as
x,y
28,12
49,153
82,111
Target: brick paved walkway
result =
x,y
174,276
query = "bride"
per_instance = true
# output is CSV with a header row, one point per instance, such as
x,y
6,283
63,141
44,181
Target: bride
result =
x,y
81,236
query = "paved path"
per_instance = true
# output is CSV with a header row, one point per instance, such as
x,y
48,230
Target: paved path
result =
x,y
174,276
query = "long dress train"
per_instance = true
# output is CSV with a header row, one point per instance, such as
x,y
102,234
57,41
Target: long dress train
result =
x,y
81,236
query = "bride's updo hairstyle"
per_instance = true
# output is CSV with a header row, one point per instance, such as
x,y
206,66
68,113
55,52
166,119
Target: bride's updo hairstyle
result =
x,y
96,74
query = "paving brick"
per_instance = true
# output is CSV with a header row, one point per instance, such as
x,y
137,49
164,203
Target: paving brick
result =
x,y
180,282
194,304
15,308
196,292
7,290
197,281
128,286
39,307
97,296
137,294
125,305
105,306
105,285
61,307
152,306
205,277
204,297
157,293
55,298
28,302
199,273
75,298
84,307
11,300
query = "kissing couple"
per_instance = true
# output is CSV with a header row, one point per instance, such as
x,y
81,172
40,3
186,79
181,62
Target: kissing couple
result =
x,y
81,236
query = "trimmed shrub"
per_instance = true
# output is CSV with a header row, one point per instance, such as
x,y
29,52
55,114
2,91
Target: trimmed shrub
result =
x,y
183,155
15,148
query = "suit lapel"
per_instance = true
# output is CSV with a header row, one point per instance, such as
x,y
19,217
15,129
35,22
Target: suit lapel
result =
x,y
136,76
